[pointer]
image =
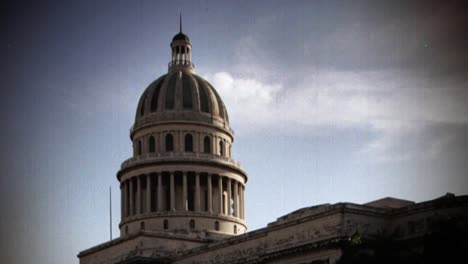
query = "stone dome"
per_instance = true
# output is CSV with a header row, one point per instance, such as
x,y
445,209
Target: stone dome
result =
x,y
181,95
181,36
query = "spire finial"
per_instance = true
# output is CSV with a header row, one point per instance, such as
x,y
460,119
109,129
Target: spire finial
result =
x,y
180,22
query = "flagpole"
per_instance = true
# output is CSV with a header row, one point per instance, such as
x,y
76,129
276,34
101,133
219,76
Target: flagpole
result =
x,y
110,212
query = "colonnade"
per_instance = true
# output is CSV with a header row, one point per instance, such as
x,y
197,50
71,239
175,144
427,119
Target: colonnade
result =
x,y
182,191
181,55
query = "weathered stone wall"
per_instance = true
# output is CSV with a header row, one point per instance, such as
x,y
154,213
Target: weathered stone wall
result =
x,y
260,244
314,234
418,220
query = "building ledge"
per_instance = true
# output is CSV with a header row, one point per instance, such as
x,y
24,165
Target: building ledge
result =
x,y
185,214
181,157
193,237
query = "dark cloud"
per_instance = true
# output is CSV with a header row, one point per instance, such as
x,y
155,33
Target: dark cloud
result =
x,y
364,35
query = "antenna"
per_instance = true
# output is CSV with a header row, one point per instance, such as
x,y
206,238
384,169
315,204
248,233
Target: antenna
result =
x,y
180,22
110,212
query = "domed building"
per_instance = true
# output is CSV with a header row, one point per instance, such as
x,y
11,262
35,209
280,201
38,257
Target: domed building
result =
x,y
182,178
182,193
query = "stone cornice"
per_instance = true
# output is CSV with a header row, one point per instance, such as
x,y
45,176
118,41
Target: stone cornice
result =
x,y
196,119
180,160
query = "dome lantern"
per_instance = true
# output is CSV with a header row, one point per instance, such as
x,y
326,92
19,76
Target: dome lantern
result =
x,y
181,48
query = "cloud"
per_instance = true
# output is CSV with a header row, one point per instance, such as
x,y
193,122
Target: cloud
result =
x,y
398,71
245,97
395,105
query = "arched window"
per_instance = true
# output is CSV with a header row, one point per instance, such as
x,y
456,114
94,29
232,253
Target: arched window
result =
x,y
235,229
169,142
139,147
206,145
221,148
192,224
188,143
152,145
126,230
142,225
216,225
165,224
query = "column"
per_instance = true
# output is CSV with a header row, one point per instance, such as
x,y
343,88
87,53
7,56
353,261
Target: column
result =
x,y
138,196
236,200
177,143
240,199
148,193
158,148
220,194
127,198
196,142
184,190
210,194
229,195
121,201
243,202
160,204
200,142
182,55
161,144
124,204
172,192
214,145
197,192
182,141
131,197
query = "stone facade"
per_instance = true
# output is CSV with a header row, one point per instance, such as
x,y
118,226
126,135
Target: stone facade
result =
x,y
309,235
182,194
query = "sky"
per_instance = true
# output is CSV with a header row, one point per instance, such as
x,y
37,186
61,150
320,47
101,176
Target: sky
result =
x,y
330,101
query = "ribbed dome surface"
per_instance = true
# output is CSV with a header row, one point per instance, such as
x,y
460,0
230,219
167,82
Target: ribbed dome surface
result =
x,y
181,36
181,92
